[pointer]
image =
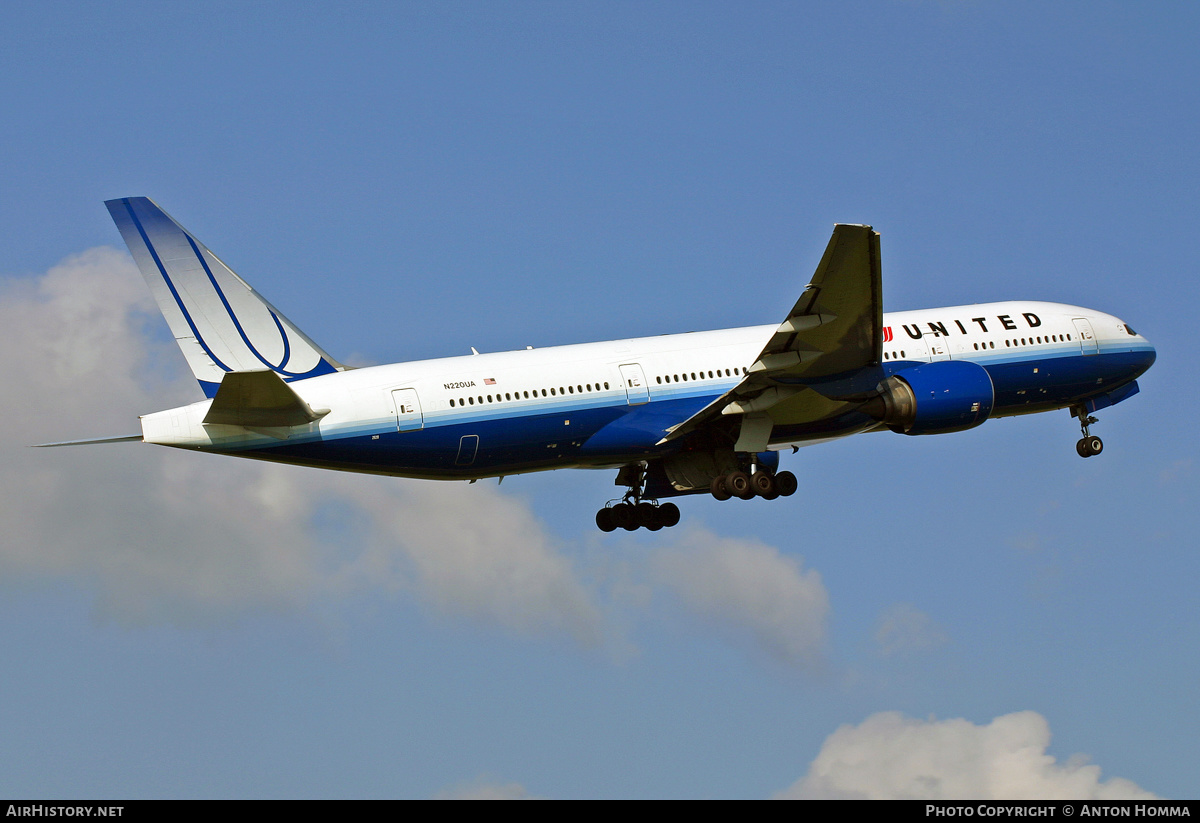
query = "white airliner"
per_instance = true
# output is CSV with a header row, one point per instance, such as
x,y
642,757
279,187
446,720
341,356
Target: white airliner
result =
x,y
704,412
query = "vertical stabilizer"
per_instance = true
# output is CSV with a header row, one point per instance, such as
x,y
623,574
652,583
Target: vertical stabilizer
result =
x,y
220,323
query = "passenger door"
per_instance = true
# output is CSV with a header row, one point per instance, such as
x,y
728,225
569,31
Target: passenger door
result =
x,y
1087,338
408,410
635,384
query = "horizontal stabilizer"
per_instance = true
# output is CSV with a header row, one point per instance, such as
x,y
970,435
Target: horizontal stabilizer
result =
x,y
259,399
129,438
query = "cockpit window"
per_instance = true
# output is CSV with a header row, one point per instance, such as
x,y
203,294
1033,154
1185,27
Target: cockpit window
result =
x,y
1129,329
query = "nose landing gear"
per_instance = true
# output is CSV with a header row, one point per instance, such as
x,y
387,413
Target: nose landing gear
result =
x,y
1089,445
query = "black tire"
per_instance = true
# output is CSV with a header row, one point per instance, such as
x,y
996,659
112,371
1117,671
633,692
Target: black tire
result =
x,y
719,489
739,484
647,516
1081,447
668,515
786,484
624,516
764,485
605,520
1094,445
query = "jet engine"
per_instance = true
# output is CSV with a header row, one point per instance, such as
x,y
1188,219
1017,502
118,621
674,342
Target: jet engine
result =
x,y
934,398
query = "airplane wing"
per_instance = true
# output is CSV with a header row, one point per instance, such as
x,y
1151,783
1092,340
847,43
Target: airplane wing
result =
x,y
834,330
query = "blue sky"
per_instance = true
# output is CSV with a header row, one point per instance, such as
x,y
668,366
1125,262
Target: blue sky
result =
x,y
408,180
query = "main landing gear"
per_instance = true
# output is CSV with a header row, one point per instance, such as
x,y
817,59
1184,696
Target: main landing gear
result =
x,y
632,515
761,484
1089,444
633,512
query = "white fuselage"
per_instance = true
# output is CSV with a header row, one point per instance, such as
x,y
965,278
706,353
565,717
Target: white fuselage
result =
x,y
563,385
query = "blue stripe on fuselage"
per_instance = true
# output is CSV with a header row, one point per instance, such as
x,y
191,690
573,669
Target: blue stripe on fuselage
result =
x,y
509,443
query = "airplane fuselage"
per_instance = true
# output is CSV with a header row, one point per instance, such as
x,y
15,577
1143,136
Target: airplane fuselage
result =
x,y
605,404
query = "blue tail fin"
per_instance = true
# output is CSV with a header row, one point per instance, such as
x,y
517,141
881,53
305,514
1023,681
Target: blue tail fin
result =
x,y
220,323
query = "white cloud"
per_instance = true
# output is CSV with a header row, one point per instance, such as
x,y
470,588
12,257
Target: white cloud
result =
x,y
748,589
905,629
165,535
485,789
889,756
469,550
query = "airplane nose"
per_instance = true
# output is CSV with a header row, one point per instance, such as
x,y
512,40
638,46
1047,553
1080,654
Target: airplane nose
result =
x,y
1147,357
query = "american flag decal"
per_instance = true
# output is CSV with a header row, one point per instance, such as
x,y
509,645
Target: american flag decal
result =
x,y
887,334
487,381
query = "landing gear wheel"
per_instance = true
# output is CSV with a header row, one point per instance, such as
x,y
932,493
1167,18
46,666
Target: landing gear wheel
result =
x,y
647,516
786,484
764,485
605,520
624,516
1090,445
739,484
668,515
719,489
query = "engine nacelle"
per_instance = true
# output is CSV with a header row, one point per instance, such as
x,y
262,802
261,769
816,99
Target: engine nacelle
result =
x,y
936,398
